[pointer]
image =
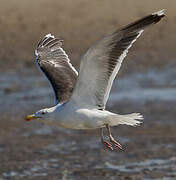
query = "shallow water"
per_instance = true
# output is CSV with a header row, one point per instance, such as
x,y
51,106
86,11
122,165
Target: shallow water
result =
x,y
168,165
142,87
33,88
41,168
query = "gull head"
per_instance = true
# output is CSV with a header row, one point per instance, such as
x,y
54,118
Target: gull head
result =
x,y
42,114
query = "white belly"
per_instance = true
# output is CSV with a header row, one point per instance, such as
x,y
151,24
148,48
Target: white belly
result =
x,y
75,118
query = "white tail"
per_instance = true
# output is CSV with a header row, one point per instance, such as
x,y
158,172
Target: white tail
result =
x,y
128,119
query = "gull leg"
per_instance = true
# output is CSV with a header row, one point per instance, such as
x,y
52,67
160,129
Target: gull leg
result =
x,y
112,138
106,143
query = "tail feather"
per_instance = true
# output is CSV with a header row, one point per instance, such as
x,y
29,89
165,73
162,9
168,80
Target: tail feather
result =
x,y
133,119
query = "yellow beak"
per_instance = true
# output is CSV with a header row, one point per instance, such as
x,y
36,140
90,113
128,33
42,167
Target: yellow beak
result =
x,y
30,117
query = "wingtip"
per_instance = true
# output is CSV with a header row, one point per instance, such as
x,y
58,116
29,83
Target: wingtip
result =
x,y
159,13
49,35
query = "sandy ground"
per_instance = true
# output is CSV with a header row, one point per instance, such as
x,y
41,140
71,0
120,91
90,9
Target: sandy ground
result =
x,y
32,151
80,23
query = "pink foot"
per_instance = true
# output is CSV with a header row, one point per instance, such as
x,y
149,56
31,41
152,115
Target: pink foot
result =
x,y
108,145
116,143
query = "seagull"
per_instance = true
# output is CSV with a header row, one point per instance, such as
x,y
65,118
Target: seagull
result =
x,y
81,98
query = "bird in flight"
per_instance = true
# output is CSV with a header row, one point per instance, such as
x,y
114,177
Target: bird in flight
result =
x,y
81,98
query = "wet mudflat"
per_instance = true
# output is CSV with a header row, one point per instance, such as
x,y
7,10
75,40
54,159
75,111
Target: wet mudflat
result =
x,y
30,150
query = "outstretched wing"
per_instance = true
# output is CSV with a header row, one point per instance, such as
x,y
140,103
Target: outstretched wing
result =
x,y
102,61
55,64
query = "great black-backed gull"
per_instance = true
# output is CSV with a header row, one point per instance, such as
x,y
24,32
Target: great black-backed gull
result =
x,y
81,99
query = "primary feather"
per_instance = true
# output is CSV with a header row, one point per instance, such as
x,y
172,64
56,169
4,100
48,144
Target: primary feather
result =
x,y
55,64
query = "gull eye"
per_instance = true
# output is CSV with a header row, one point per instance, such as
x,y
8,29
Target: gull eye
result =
x,y
43,112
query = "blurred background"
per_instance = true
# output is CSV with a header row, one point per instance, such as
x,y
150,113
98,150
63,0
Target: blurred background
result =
x,y
146,83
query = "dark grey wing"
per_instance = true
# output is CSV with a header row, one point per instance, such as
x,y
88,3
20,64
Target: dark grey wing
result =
x,y
101,63
55,64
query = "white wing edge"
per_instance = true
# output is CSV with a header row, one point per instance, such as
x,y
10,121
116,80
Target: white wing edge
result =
x,y
116,69
68,60
159,13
